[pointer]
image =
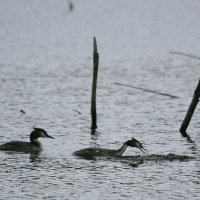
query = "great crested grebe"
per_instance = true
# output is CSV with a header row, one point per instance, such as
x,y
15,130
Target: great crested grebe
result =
x,y
110,152
33,145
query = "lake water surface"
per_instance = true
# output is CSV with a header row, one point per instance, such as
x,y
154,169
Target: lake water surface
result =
x,y
46,71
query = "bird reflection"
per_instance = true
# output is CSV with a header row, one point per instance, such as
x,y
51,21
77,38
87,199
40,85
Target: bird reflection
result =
x,y
35,156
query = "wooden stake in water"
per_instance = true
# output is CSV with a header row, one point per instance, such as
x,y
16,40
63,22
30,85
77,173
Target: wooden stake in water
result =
x,y
191,109
94,85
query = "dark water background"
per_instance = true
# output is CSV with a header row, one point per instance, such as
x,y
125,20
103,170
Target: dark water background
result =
x,y
46,70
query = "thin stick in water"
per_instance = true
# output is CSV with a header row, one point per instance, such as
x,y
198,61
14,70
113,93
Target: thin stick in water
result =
x,y
94,85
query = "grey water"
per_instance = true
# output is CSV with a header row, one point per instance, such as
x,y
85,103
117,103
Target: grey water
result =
x,y
46,71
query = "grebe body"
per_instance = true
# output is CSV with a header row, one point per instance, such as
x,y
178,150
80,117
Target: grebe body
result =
x,y
33,145
89,152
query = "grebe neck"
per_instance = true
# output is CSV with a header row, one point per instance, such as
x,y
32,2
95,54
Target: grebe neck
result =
x,y
122,149
35,142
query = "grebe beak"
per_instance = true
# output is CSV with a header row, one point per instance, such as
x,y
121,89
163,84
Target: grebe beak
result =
x,y
48,136
143,149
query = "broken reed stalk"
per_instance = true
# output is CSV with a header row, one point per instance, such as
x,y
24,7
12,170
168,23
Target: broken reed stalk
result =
x,y
184,54
191,109
147,90
94,85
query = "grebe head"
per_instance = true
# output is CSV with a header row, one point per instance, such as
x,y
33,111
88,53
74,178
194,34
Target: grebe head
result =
x,y
38,132
136,143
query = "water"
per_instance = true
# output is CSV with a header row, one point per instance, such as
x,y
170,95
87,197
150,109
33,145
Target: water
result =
x,y
46,70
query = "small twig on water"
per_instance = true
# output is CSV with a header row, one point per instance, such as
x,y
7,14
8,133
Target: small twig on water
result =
x,y
77,111
22,111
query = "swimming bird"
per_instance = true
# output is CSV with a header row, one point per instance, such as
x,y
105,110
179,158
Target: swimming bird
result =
x,y
21,146
89,152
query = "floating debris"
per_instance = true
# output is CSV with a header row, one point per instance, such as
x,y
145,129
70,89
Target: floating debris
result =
x,y
22,111
77,111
